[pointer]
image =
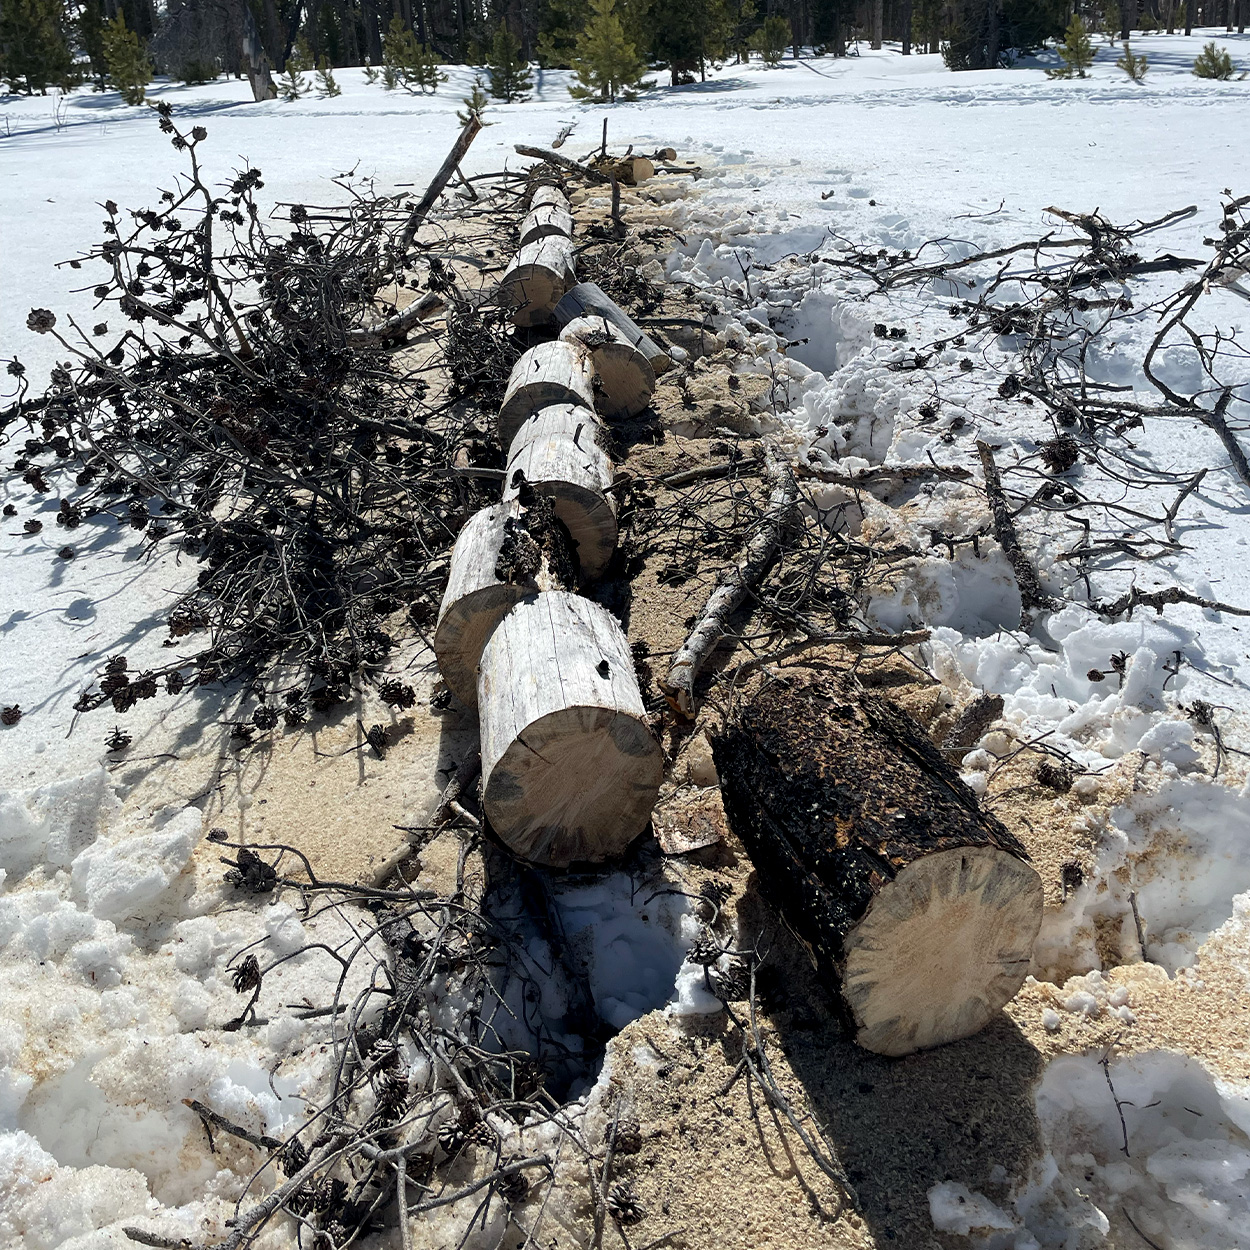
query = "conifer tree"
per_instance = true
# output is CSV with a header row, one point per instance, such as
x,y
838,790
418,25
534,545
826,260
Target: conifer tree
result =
x,y
326,86
1076,52
474,104
1133,65
130,71
559,24
406,62
34,54
91,32
605,61
1213,62
686,34
509,75
292,85
772,39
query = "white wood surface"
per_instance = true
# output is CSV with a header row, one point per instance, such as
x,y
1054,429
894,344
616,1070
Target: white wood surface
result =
x,y
588,299
570,770
626,379
546,219
536,280
550,373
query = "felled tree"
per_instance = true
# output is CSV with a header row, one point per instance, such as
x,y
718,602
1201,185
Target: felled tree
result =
x,y
408,63
772,39
1076,52
1213,62
127,59
33,53
605,61
509,72
1133,65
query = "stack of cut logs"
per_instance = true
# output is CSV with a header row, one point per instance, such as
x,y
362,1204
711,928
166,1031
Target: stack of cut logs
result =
x,y
570,769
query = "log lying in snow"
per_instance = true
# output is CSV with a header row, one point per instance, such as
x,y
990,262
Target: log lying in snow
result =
x,y
923,907
557,454
626,379
550,373
570,770
545,220
536,280
502,556
586,299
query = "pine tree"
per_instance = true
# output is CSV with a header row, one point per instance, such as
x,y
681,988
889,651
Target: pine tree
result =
x,y
687,34
1076,52
371,71
558,25
1133,65
130,71
509,75
292,85
91,32
34,53
406,62
326,86
1213,62
474,104
772,39
605,61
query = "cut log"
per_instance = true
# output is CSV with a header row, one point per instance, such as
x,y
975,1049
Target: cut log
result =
x,y
537,279
550,373
502,556
546,220
587,299
570,771
922,907
557,453
548,194
626,378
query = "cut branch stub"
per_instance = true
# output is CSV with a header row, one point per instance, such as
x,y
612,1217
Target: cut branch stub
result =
x,y
537,279
557,454
588,299
498,560
551,373
626,378
545,220
570,771
922,907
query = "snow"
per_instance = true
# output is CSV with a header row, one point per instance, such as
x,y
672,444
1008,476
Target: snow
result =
x,y
115,934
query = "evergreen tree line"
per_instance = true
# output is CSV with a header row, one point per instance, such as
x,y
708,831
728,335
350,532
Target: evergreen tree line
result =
x,y
611,43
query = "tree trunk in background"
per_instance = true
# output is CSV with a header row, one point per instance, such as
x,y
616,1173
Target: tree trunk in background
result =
x,y
878,8
255,58
905,22
1126,17
993,34
1189,16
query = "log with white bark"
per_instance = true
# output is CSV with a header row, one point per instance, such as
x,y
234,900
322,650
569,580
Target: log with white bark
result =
x,y
545,220
570,770
477,597
548,194
626,378
588,299
537,279
733,585
557,453
549,373
921,908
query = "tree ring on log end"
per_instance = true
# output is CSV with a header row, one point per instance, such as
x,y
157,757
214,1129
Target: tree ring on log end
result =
x,y
942,948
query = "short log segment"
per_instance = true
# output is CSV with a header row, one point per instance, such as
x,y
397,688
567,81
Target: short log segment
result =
x,y
557,453
550,373
922,907
546,219
570,771
587,299
504,554
626,378
536,280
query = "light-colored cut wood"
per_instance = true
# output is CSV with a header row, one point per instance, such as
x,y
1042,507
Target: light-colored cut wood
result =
x,y
546,219
476,599
941,949
550,373
588,299
570,771
548,194
626,379
537,279
556,452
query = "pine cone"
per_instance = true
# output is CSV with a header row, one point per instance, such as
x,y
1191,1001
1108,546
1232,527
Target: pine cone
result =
x,y
623,1205
11,715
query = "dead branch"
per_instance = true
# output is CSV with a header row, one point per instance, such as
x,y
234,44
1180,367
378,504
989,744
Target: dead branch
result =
x,y
439,181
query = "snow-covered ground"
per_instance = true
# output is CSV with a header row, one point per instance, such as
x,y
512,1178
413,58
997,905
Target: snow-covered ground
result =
x,y
113,949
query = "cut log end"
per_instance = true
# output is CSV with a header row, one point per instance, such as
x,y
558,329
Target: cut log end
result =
x,y
942,948
618,766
